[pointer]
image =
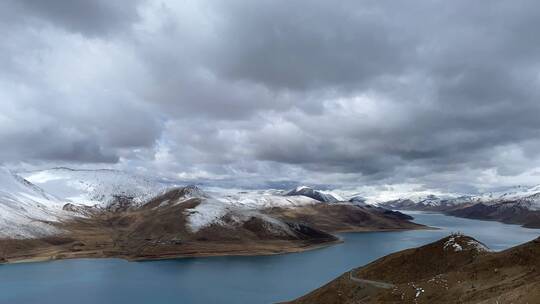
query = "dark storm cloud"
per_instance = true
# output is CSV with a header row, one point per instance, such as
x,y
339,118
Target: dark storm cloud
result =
x,y
308,44
478,90
91,18
53,144
430,92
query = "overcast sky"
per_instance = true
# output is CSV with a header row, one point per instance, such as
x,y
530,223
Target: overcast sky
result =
x,y
436,94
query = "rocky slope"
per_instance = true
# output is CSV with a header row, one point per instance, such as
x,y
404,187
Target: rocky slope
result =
x,y
107,220
456,269
346,217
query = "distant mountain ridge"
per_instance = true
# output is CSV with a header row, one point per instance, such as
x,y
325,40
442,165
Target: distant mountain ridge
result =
x,y
520,206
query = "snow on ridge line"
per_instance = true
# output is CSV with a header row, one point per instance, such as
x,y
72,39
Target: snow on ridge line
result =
x,y
257,201
325,196
301,188
528,198
212,210
97,187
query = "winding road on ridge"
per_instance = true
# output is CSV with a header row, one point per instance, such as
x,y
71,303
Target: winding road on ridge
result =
x,y
369,282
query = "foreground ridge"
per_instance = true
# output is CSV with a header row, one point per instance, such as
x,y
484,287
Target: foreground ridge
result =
x,y
455,269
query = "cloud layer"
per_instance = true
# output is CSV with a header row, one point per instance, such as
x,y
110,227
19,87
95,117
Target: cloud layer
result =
x,y
445,95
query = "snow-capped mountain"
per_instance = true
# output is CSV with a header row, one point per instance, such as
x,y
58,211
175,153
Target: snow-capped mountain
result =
x,y
104,188
426,202
525,197
106,213
85,192
322,196
25,209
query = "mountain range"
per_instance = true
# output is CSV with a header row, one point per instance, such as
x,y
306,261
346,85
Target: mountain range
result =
x,y
66,213
519,205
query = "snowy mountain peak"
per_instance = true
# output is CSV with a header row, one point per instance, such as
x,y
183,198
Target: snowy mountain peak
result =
x,y
15,186
302,188
95,187
25,209
319,195
192,191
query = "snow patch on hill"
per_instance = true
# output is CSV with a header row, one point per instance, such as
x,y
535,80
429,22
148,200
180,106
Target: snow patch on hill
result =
x,y
459,242
208,212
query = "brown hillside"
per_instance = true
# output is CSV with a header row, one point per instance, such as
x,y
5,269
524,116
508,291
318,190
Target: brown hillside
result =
x,y
456,269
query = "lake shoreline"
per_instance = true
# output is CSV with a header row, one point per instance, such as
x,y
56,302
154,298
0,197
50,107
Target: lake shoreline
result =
x,y
267,249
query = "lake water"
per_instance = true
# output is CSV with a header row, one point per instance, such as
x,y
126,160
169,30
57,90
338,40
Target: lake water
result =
x,y
263,279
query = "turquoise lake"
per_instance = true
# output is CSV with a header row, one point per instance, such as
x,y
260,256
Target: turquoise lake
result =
x,y
262,279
